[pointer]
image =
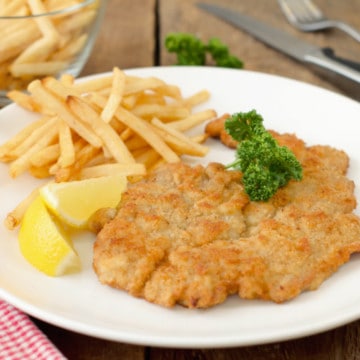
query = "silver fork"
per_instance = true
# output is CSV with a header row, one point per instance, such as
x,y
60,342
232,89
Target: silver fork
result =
x,y
306,16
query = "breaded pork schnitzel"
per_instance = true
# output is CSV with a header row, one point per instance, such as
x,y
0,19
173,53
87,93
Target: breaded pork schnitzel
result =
x,y
190,236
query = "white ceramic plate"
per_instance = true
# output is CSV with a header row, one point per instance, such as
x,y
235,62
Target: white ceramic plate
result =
x,y
79,303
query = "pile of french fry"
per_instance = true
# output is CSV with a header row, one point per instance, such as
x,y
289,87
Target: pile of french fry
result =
x,y
117,124
43,45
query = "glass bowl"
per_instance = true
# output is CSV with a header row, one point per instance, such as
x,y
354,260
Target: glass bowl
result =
x,y
45,38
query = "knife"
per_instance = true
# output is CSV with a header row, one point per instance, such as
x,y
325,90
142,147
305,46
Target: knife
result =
x,y
290,45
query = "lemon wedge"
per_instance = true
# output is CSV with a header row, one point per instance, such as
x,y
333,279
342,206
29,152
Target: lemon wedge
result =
x,y
75,201
44,243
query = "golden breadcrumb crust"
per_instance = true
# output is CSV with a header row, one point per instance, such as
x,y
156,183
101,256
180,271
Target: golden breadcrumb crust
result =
x,y
190,236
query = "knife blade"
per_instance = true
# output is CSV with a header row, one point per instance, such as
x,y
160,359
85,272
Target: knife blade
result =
x,y
288,44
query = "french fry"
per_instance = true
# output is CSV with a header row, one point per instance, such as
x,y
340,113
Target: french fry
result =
x,y
55,5
67,80
45,156
136,85
200,139
6,10
79,146
144,98
14,218
22,163
167,112
142,129
76,22
128,101
193,120
66,145
196,99
12,7
149,157
171,91
111,140
146,132
59,88
53,103
37,68
9,28
113,169
23,100
14,43
84,155
37,51
71,48
34,137
45,25
39,172
114,99
16,140
93,85
98,159
126,134
178,141
156,164
135,143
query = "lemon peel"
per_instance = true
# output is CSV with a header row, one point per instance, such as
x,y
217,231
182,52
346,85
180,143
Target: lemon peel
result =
x,y
44,243
75,201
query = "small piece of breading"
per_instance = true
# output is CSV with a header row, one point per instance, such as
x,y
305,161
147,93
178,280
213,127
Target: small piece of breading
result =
x,y
216,129
190,236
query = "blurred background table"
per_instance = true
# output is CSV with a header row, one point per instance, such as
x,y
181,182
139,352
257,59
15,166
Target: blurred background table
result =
x,y
132,35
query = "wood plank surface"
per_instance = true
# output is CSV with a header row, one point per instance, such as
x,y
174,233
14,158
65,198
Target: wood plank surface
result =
x,y
126,38
133,35
184,16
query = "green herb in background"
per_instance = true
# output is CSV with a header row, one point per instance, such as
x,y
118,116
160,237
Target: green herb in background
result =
x,y
220,54
190,50
266,166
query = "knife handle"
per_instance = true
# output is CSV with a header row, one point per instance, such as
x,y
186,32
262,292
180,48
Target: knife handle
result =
x,y
328,60
329,52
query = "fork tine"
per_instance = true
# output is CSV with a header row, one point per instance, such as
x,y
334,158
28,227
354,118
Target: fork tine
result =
x,y
306,16
313,9
300,10
287,10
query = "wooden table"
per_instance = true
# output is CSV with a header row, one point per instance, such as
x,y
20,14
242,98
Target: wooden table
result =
x,y
133,35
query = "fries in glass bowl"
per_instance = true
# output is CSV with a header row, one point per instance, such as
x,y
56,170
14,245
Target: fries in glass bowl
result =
x,y
45,38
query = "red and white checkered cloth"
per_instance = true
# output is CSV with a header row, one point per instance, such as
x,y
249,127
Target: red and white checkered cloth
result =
x,y
21,339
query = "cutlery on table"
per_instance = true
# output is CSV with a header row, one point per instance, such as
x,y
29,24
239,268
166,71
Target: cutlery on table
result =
x,y
306,16
347,71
